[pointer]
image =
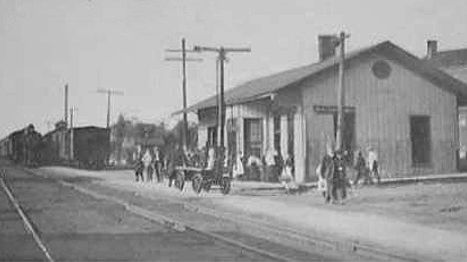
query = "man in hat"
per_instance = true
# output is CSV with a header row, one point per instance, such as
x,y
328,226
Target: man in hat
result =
x,y
339,178
174,159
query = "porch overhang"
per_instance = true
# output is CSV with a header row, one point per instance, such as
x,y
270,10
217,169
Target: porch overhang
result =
x,y
194,109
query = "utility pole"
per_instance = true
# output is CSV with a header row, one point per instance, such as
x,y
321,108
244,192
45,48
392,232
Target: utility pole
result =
x,y
341,92
66,104
71,153
222,52
109,92
184,59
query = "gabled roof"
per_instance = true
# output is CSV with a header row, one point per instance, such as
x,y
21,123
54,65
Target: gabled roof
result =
x,y
449,58
258,88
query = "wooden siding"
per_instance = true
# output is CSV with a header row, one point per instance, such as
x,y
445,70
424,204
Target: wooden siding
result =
x,y
383,108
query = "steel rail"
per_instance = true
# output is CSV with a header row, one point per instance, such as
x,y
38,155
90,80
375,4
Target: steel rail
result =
x,y
24,218
162,219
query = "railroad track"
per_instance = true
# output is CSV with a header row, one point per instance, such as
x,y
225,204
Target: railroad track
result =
x,y
27,223
151,215
298,240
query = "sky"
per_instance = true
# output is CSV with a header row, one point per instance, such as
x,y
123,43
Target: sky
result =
x,y
119,44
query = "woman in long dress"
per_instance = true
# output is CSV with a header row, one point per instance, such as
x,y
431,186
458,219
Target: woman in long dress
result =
x,y
147,161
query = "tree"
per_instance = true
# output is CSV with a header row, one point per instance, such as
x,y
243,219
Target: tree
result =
x,y
121,130
174,136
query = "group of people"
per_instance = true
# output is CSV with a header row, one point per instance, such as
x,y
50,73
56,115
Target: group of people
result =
x,y
332,173
333,181
272,167
367,169
149,162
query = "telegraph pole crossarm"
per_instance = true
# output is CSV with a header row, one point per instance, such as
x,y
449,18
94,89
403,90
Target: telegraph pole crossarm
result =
x,y
186,59
221,52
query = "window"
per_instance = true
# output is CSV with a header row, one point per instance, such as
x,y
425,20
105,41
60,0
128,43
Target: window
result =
x,y
212,136
420,137
253,134
381,69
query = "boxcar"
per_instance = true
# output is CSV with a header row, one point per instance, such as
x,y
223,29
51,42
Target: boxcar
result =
x,y
91,146
22,146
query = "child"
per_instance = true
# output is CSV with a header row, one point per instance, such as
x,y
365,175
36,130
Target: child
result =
x,y
373,163
287,175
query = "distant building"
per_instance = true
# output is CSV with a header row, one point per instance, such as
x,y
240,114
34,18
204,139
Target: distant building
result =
x,y
87,146
395,103
453,62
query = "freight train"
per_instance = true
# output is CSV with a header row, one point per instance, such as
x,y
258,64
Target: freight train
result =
x,y
22,146
82,147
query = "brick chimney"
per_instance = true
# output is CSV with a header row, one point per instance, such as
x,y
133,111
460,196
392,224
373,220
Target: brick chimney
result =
x,y
326,46
431,48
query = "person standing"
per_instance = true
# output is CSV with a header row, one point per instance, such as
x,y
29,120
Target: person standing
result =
x,y
174,159
360,167
327,172
287,177
147,160
238,167
254,166
270,165
279,164
373,163
158,164
139,166
339,178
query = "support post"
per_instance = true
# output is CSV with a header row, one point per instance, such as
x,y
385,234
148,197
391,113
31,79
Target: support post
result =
x,y
108,109
71,155
185,118
340,94
66,105
221,98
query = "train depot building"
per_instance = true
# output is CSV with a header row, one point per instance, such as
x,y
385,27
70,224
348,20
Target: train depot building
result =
x,y
395,103
453,62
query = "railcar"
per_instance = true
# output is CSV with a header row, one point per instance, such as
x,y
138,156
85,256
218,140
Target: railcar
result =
x,y
91,146
22,146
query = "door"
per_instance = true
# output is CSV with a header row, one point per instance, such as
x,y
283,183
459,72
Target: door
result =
x,y
212,136
253,136
420,136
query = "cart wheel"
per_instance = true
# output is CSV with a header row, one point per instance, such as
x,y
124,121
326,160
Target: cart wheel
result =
x,y
180,180
196,183
225,185
207,186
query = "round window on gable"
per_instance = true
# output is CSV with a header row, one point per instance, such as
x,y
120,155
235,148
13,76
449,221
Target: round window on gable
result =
x,y
381,69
